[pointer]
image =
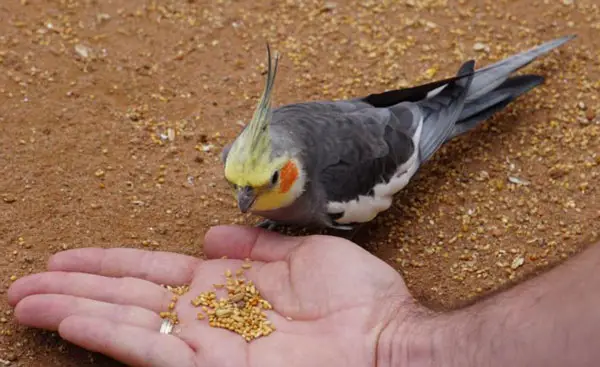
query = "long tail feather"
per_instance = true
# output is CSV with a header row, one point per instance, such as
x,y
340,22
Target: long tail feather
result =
x,y
492,76
483,108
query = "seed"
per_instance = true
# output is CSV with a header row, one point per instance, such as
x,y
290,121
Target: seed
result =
x,y
222,312
240,311
237,297
590,115
238,319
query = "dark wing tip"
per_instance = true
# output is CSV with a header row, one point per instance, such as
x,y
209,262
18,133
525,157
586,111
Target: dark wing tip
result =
x,y
466,69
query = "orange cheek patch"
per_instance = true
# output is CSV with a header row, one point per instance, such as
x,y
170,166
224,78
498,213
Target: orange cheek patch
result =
x,y
289,174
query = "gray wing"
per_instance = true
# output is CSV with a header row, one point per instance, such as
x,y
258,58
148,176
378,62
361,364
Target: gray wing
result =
x,y
352,147
369,147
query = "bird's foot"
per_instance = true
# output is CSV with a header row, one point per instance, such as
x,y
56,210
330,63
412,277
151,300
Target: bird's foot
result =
x,y
341,227
349,231
267,224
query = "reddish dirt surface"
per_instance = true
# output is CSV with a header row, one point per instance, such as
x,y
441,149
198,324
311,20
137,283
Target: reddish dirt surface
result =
x,y
90,92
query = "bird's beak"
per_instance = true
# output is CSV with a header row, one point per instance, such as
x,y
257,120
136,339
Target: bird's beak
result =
x,y
245,198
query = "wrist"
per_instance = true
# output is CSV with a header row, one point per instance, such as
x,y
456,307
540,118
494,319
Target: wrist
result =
x,y
423,338
412,339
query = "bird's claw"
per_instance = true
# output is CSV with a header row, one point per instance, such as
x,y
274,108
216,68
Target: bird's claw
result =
x,y
348,231
341,227
267,224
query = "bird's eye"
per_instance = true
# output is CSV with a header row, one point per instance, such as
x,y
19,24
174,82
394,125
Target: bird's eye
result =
x,y
275,178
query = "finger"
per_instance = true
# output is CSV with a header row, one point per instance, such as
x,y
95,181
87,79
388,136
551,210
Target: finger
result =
x,y
238,242
216,346
128,344
123,291
47,311
155,266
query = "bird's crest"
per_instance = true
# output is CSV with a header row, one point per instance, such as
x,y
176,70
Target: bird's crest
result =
x,y
257,129
253,147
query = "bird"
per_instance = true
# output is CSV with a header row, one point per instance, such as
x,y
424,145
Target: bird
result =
x,y
337,164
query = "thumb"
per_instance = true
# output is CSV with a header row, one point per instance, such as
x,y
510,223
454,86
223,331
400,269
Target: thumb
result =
x,y
239,242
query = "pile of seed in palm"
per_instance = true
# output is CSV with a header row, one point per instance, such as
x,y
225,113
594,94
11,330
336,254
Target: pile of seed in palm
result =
x,y
241,311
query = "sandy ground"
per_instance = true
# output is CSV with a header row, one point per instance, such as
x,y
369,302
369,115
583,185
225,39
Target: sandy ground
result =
x,y
113,114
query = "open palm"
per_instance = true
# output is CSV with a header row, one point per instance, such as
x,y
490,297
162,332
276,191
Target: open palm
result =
x,y
331,300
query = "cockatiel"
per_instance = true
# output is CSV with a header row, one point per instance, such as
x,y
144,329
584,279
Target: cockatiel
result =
x,y
337,164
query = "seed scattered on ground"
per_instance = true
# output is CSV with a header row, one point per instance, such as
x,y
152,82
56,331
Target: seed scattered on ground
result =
x,y
517,262
9,199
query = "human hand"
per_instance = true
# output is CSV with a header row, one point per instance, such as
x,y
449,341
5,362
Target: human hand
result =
x,y
340,299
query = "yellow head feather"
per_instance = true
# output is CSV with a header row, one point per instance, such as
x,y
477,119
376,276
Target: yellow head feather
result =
x,y
249,160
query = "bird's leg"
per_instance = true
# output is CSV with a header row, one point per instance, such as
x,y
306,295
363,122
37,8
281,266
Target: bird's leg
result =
x,y
267,224
341,227
349,231
355,231
329,221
